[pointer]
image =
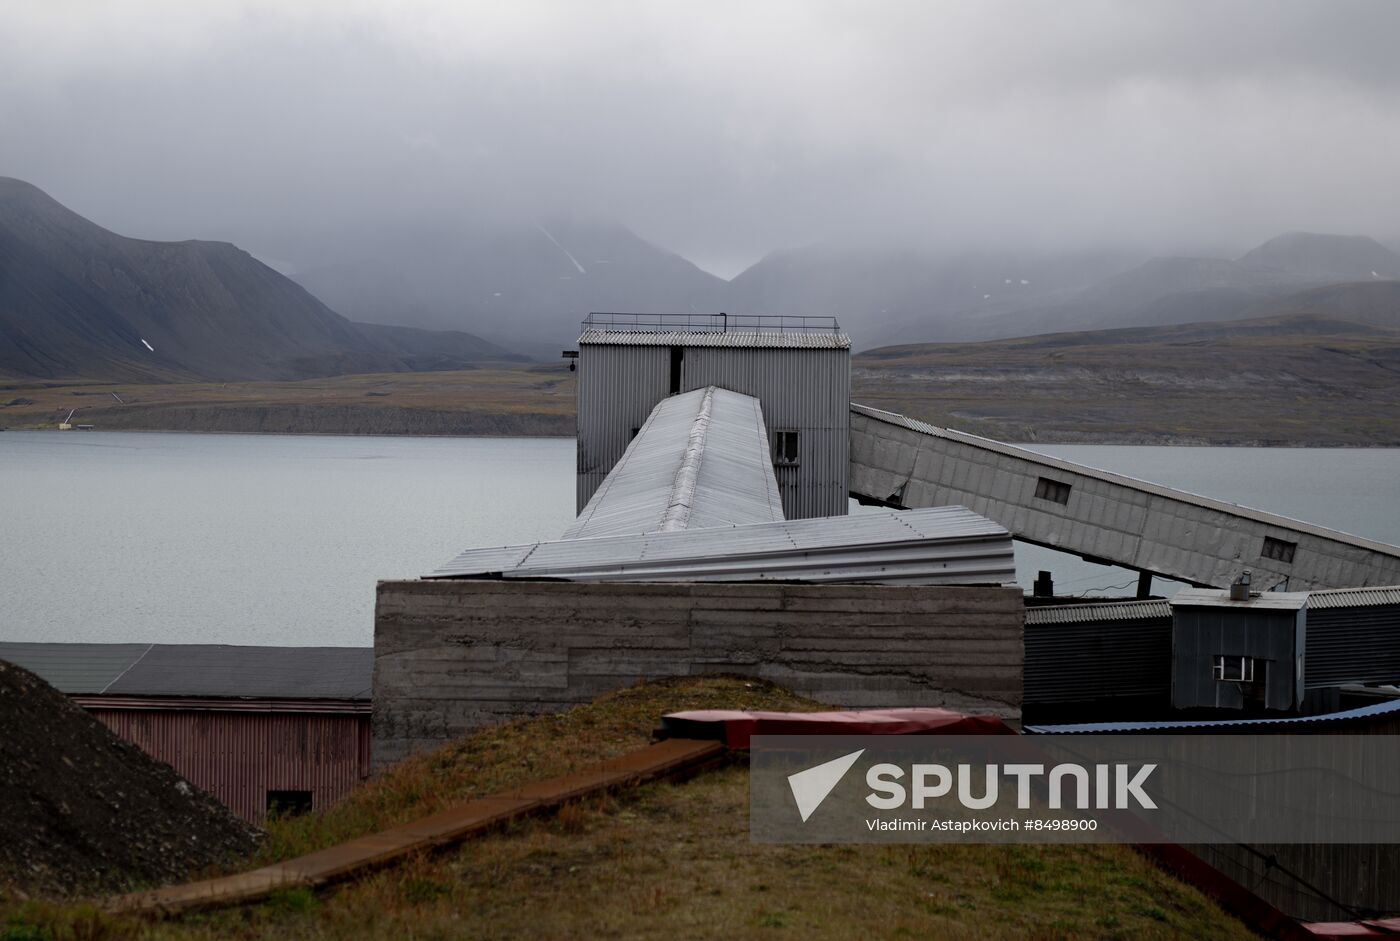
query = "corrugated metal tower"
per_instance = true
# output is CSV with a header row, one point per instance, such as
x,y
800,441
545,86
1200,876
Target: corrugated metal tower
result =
x,y
799,368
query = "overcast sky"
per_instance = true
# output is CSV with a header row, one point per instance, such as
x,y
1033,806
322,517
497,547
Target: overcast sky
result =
x,y
720,130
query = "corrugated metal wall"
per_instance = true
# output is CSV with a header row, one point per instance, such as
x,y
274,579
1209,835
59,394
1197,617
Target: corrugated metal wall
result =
x,y
804,390
1270,636
238,756
618,386
1352,645
1096,660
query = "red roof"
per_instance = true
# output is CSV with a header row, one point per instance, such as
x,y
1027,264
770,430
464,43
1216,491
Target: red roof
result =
x,y
735,727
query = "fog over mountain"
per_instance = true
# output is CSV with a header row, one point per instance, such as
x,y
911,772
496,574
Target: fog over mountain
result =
x,y
79,301
411,160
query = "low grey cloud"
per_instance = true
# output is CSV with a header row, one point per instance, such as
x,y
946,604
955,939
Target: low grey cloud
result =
x,y
721,130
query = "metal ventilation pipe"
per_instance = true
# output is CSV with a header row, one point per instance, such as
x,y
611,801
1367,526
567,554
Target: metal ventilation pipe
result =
x,y
1239,589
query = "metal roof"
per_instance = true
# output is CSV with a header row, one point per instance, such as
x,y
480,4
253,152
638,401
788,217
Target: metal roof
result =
x,y
701,459
939,545
763,339
198,670
1353,597
1259,516
1105,611
1217,598
1347,715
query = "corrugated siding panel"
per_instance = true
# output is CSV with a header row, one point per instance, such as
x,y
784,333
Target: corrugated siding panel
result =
x,y
940,545
1353,597
1087,613
1352,645
807,391
1090,660
239,757
618,386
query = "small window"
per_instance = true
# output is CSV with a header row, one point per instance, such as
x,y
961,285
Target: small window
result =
x,y
1232,669
634,433
1052,490
785,447
288,803
1279,549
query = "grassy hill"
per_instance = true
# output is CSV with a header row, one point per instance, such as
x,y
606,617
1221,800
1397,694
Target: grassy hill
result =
x,y
670,860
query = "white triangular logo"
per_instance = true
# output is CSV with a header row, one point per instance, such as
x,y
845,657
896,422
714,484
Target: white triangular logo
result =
x,y
810,787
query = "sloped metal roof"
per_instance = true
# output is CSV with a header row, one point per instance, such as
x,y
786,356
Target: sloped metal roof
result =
x,y
75,668
702,459
1353,597
1234,509
198,670
765,339
1105,611
939,545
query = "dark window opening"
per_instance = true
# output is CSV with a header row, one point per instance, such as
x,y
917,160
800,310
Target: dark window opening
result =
x,y
1052,490
785,447
634,433
1278,549
677,357
288,803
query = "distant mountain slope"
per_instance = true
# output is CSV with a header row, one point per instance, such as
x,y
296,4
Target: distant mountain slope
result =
x,y
1327,257
1164,291
525,286
888,296
78,301
1366,302
1305,379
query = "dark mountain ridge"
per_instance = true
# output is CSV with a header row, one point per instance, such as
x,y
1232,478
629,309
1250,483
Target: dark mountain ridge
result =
x,y
79,301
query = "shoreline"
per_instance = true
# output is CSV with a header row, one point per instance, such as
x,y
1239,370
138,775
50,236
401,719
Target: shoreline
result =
x,y
1078,440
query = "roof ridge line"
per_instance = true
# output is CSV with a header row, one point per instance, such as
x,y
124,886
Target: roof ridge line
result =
x,y
131,666
677,515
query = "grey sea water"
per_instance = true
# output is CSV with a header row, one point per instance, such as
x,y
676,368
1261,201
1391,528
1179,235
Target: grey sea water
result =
x,y
263,539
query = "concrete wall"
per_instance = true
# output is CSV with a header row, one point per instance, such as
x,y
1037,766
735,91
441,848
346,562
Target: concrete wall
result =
x,y
902,462
452,655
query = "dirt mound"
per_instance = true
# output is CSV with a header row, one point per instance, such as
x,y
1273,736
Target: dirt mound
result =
x,y
85,811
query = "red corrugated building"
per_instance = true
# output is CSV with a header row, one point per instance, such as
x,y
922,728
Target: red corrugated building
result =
x,y
257,727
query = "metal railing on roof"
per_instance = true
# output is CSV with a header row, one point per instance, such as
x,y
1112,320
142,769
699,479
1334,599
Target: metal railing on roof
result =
x,y
709,322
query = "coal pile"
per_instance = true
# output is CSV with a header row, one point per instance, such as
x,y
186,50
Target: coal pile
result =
x,y
83,811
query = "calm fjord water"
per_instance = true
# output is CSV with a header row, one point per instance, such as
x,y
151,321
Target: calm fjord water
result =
x,y
261,539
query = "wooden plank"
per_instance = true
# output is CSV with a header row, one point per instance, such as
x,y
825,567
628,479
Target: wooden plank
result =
x,y
446,828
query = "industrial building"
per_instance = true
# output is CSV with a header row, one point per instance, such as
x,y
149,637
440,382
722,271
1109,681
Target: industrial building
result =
x,y
708,452
798,368
260,728
724,449
1104,517
1204,652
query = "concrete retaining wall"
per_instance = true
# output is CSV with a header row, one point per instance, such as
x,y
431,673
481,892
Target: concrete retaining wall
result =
x,y
450,656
